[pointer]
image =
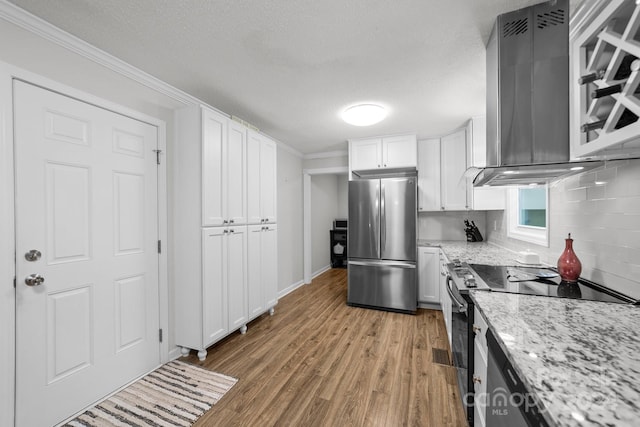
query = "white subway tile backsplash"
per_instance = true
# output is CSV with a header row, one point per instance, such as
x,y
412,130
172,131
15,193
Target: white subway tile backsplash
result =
x,y
576,194
603,219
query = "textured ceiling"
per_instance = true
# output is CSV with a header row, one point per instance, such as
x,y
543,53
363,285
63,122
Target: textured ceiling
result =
x,y
290,67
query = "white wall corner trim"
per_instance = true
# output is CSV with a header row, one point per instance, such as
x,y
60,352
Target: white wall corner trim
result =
x,y
326,155
32,23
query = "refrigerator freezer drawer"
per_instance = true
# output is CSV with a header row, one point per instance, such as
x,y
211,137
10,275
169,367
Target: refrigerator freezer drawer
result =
x,y
385,285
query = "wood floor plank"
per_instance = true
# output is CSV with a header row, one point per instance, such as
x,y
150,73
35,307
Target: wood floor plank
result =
x,y
319,362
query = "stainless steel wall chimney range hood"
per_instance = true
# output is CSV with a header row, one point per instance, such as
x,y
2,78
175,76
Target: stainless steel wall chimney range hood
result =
x,y
528,97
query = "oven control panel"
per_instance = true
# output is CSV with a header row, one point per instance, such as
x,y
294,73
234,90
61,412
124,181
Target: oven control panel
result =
x,y
464,277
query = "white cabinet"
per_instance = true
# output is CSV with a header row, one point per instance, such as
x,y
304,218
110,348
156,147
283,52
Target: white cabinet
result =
x,y
429,275
429,175
444,182
391,152
261,167
454,184
213,165
445,300
224,186
480,352
484,198
224,284
263,269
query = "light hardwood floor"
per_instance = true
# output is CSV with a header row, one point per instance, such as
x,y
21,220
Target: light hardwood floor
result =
x,y
319,362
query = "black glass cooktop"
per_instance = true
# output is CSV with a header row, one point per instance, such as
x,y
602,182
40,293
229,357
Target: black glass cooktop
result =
x,y
543,281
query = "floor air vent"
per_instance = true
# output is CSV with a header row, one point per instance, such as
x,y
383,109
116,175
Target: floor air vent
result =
x,y
441,356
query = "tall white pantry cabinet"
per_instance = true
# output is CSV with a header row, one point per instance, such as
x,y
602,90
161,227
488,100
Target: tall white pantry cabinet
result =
x,y
225,227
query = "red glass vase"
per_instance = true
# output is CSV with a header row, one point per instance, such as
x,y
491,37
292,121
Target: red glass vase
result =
x,y
569,266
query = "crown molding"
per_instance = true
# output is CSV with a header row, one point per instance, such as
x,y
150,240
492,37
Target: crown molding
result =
x,y
326,155
20,17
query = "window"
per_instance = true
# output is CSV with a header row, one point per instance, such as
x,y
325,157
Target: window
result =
x,y
528,216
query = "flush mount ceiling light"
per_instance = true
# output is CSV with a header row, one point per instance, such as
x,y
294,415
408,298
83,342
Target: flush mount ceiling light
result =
x,y
364,114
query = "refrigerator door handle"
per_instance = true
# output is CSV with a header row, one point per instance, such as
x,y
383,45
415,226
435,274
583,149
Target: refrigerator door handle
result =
x,y
398,264
383,218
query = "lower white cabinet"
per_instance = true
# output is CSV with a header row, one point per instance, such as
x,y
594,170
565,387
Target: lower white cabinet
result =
x,y
263,269
445,300
429,275
480,352
238,283
224,284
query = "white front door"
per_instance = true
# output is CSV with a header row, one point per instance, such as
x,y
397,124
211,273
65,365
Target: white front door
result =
x,y
86,200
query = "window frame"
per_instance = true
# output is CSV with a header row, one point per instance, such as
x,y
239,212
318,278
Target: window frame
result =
x,y
526,233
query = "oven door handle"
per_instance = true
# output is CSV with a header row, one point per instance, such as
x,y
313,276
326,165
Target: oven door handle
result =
x,y
461,307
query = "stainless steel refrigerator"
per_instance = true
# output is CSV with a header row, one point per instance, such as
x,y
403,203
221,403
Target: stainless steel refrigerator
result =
x,y
382,246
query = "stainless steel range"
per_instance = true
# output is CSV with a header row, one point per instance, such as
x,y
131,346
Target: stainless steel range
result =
x,y
540,281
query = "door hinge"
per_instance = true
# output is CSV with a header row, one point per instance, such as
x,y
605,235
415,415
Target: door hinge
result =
x,y
159,246
158,152
160,334
14,281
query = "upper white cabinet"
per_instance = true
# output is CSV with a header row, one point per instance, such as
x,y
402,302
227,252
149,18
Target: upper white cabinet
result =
x,y
604,44
444,180
224,187
454,185
442,184
391,152
261,166
483,198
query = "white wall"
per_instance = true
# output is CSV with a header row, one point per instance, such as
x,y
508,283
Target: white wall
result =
x,y
343,196
324,208
290,227
603,219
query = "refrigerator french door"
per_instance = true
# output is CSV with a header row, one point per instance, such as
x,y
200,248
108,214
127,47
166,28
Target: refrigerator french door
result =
x,y
382,244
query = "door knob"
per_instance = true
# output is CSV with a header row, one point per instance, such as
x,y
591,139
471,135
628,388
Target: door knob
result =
x,y
33,255
34,280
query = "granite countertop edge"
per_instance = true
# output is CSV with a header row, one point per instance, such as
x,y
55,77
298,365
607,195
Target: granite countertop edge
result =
x,y
575,357
521,374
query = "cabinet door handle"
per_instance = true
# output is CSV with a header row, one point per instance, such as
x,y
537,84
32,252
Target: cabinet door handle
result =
x,y
477,329
477,379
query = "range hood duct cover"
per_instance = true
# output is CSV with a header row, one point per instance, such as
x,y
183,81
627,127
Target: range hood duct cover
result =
x,y
528,94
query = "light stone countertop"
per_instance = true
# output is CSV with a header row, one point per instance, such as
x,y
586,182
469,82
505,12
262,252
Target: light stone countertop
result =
x,y
474,252
580,358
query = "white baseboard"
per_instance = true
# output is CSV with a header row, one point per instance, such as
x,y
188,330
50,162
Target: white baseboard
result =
x,y
290,289
320,271
174,353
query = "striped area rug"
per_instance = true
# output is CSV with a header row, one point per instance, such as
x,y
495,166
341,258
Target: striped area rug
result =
x,y
176,394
